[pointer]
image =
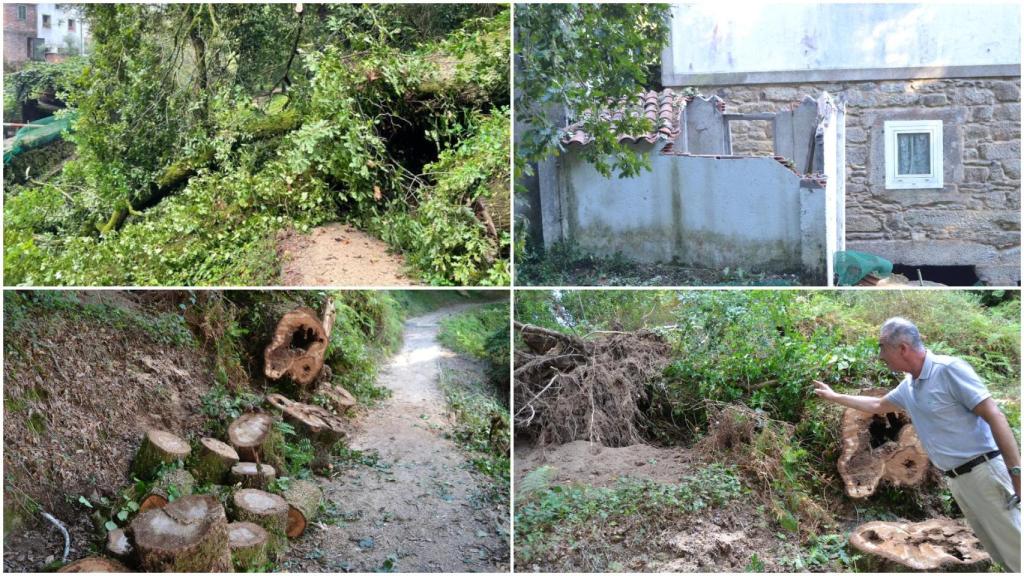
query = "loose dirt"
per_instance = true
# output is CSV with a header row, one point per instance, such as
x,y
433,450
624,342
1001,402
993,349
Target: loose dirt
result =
x,y
339,255
420,507
583,462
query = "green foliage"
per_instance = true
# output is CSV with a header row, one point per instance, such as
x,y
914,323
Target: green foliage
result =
x,y
481,423
577,56
41,78
548,516
297,453
367,326
469,331
824,552
221,407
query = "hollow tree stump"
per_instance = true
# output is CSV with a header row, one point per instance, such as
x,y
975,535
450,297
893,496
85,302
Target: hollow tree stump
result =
x,y
879,447
248,542
248,433
120,547
932,545
176,482
267,510
213,461
253,475
158,448
303,497
94,564
296,349
188,535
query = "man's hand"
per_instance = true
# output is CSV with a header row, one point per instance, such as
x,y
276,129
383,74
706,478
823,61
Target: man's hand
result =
x,y
823,391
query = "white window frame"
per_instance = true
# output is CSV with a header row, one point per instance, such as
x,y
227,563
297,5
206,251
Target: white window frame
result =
x,y
893,129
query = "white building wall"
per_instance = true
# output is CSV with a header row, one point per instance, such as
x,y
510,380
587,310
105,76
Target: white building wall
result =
x,y
58,30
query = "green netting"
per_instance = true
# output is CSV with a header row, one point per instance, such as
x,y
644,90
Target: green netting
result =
x,y
38,134
851,267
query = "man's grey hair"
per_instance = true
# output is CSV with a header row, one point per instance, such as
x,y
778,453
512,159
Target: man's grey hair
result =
x,y
900,330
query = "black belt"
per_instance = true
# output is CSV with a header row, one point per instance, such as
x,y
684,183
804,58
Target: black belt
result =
x,y
968,466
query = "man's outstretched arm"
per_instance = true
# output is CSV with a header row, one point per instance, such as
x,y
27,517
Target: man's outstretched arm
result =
x,y
869,404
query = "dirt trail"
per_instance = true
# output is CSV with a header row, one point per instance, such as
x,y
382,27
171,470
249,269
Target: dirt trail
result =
x,y
338,255
420,507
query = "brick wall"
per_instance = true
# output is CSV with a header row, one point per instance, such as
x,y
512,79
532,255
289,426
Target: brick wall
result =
x,y
17,32
973,220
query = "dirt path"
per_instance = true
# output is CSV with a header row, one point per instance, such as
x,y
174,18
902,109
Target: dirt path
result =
x,y
420,506
338,255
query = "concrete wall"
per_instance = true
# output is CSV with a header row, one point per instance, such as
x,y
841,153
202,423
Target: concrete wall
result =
x,y
58,30
974,220
749,213
720,43
17,32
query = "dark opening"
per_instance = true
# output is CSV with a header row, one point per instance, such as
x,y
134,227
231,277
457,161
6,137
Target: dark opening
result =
x,y
302,338
948,275
407,142
955,552
885,428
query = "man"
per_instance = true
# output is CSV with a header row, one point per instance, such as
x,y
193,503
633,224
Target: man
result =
x,y
962,430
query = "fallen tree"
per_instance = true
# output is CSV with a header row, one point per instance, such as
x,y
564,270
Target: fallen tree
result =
x,y
570,389
877,448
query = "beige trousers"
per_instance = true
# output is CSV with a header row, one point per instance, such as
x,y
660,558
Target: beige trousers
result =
x,y
983,495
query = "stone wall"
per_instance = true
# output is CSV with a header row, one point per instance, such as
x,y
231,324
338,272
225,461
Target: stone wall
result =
x,y
17,32
973,220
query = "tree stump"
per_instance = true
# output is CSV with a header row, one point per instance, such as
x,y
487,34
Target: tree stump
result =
x,y
877,447
342,400
94,564
214,460
253,475
267,510
188,535
177,482
119,546
932,545
158,448
248,433
296,349
248,543
303,497
314,422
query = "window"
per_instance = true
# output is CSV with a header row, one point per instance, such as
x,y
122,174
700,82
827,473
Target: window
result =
x,y
71,25
22,12
46,21
913,154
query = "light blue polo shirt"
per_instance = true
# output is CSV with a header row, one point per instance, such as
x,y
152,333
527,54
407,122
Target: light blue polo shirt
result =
x,y
939,403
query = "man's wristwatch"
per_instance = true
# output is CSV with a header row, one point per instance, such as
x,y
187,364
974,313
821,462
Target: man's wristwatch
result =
x,y
1015,471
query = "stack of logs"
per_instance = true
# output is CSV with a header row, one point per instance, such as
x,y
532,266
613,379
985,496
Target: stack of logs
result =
x,y
176,530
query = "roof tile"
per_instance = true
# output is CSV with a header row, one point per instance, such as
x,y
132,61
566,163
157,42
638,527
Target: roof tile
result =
x,y
661,108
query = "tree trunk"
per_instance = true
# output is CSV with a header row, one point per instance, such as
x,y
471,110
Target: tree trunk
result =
x,y
303,497
342,400
267,510
248,543
214,460
119,545
158,447
188,535
252,475
248,433
879,447
296,350
313,422
939,544
95,564
177,483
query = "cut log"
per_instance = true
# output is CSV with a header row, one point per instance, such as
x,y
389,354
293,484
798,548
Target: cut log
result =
x,y
253,475
879,447
176,483
248,433
329,313
119,546
313,422
95,564
296,349
542,340
248,543
267,510
303,497
214,460
932,545
341,399
158,448
188,535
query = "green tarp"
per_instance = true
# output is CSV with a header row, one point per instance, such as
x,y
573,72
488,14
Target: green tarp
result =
x,y
851,267
38,134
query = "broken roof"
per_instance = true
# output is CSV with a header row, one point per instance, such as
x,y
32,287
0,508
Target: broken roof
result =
x,y
663,109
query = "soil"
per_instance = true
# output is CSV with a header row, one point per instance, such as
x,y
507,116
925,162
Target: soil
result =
x,y
339,255
78,395
420,506
583,462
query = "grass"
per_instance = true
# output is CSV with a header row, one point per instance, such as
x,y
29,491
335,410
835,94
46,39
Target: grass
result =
x,y
469,332
481,422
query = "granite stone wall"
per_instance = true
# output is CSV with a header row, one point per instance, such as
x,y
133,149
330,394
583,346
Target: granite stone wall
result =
x,y
973,220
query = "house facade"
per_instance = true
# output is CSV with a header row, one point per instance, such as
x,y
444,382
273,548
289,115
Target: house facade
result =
x,y
932,95
19,32
49,32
